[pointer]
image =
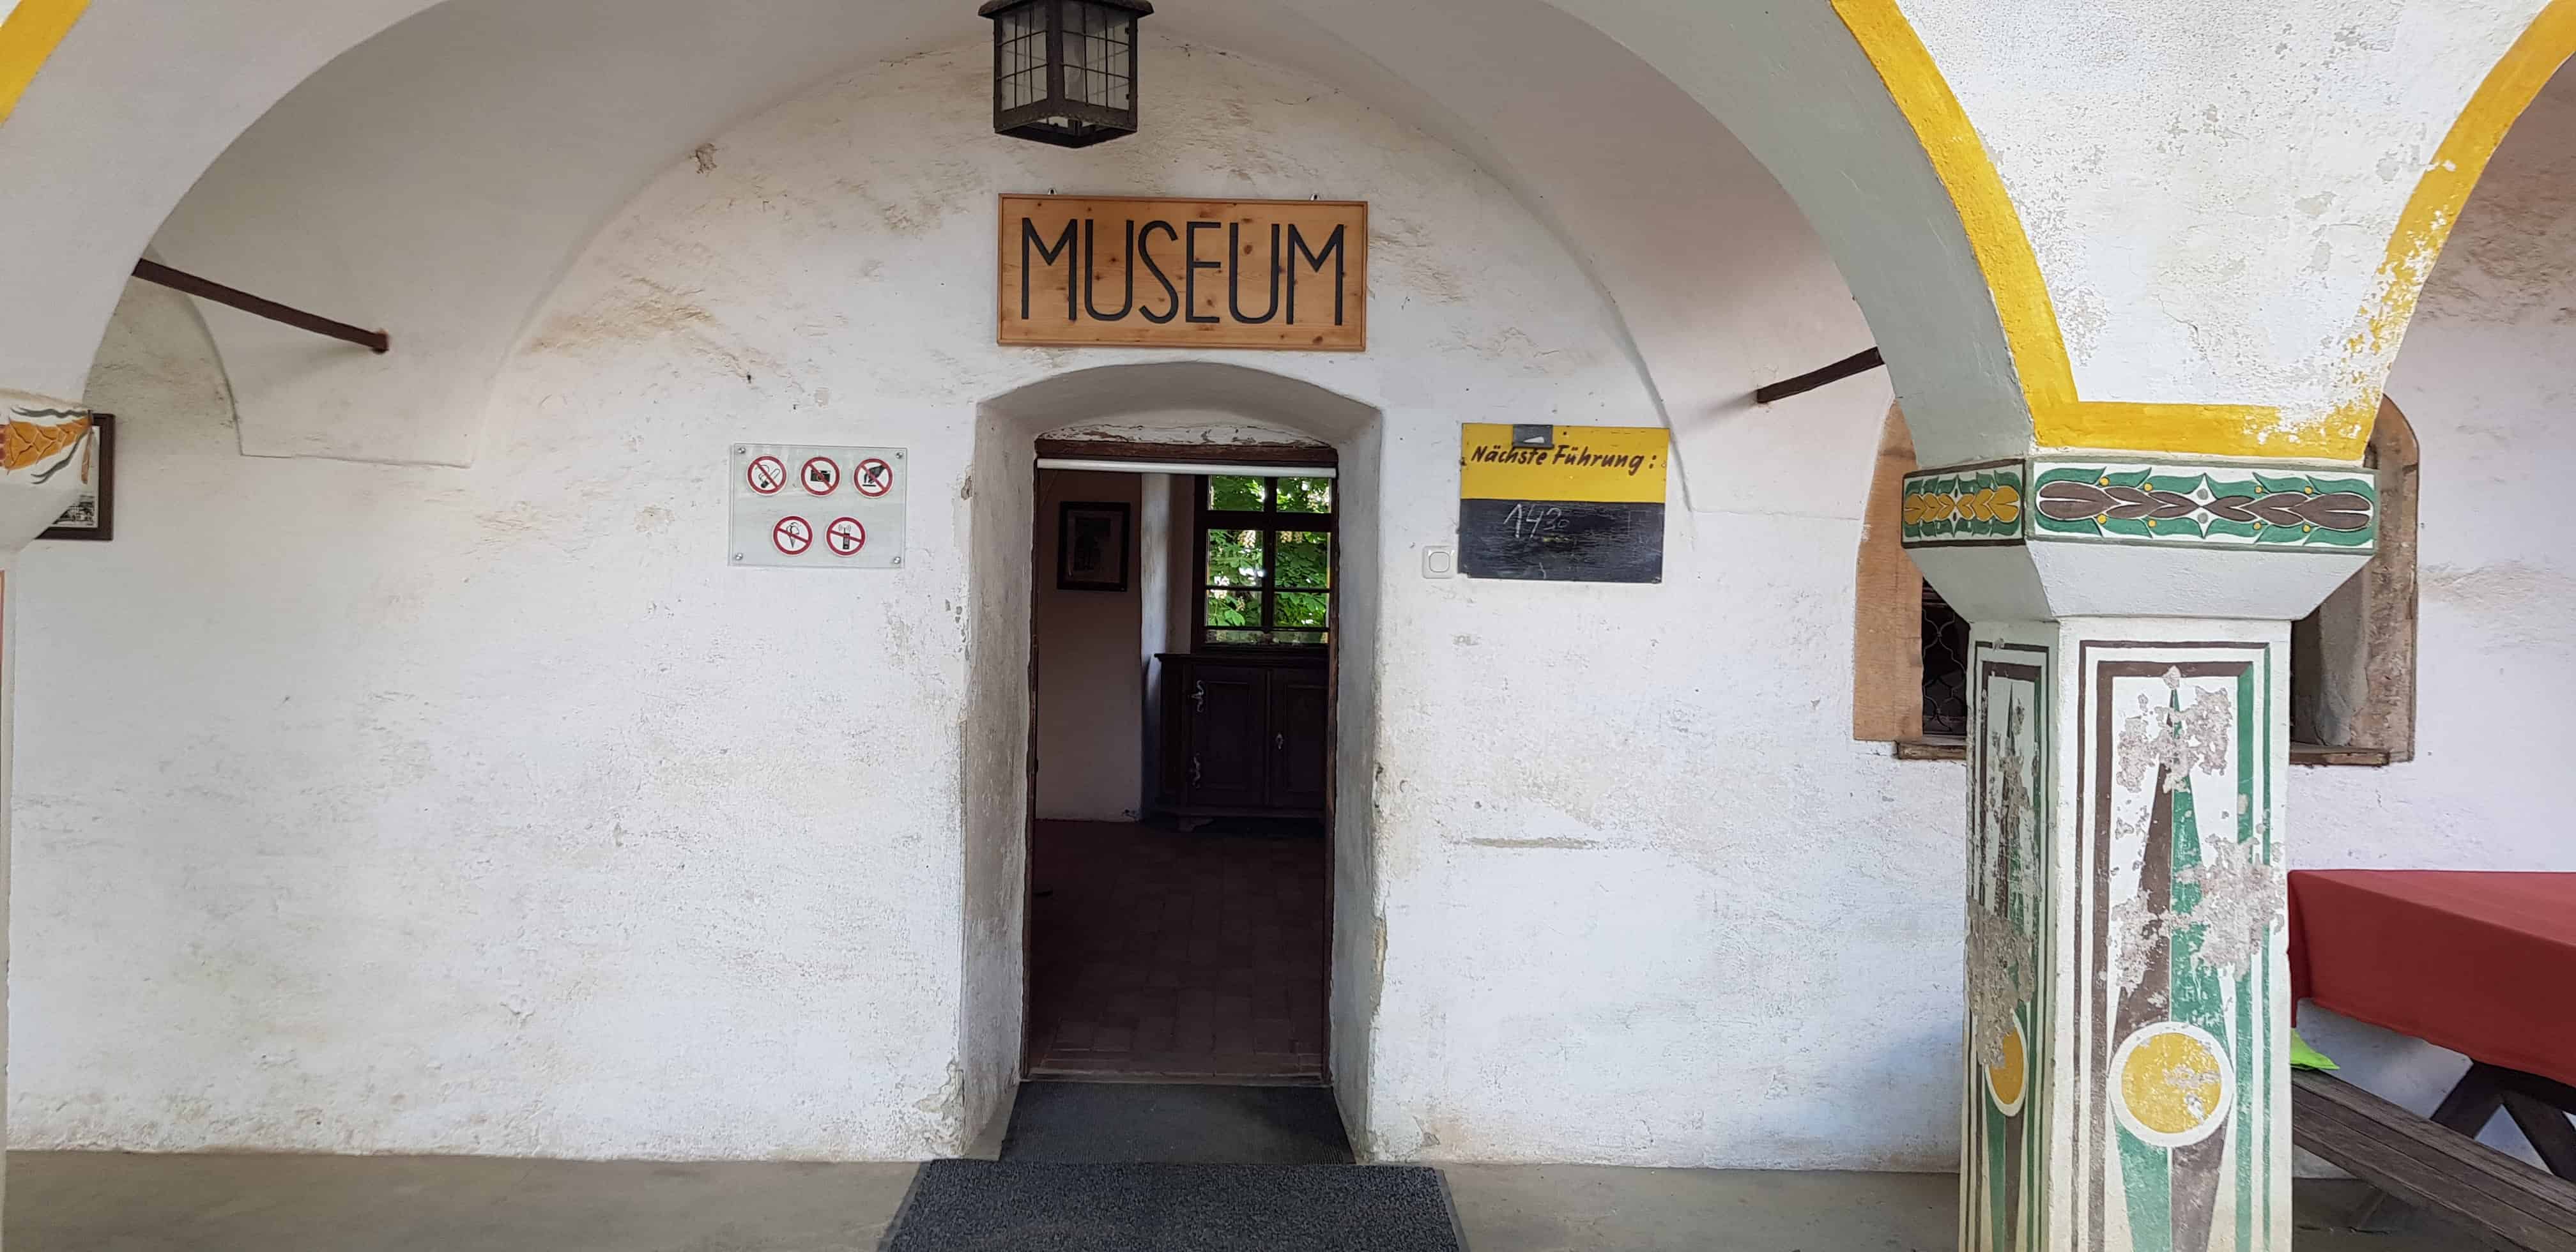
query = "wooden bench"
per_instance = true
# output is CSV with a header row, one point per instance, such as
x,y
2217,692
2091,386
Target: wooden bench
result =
x,y
2445,1170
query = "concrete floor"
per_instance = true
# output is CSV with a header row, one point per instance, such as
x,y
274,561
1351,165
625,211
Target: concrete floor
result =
x,y
82,1202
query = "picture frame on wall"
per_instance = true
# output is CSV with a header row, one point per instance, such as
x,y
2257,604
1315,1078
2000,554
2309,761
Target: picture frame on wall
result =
x,y
93,515
1091,544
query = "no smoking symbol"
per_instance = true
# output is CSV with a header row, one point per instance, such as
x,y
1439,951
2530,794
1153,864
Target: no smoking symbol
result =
x,y
846,536
822,475
767,475
875,477
792,535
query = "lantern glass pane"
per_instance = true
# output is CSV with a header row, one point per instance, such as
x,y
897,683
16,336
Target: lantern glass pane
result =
x,y
1023,60
1097,42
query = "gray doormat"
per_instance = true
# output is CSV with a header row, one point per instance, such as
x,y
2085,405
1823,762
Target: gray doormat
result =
x,y
1012,1206
1110,1123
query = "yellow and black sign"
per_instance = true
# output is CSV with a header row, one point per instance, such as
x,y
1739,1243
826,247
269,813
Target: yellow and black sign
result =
x,y
1097,271
1563,503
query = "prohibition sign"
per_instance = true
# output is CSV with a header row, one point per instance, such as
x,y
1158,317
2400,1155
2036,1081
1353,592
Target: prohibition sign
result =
x,y
846,536
822,475
767,475
875,477
792,535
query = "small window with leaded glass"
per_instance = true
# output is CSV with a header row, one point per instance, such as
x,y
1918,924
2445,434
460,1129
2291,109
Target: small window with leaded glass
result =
x,y
1265,562
1945,668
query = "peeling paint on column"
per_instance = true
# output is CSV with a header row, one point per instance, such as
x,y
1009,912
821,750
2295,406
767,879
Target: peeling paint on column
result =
x,y
2003,1192
2125,957
2180,1123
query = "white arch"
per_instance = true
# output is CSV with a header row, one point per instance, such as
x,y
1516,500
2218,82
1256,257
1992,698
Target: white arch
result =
x,y
1629,165
1182,395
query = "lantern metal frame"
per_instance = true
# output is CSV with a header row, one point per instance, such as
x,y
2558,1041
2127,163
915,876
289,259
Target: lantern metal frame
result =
x,y
1056,117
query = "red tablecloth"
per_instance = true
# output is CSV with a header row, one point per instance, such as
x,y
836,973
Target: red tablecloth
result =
x,y
2483,964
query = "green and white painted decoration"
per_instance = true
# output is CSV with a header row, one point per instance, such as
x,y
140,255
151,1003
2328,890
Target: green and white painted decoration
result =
x,y
1964,504
2003,1187
2143,502
2127,980
2183,898
2204,504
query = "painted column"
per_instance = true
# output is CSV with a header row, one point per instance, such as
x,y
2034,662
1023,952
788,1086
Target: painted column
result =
x,y
2127,981
47,450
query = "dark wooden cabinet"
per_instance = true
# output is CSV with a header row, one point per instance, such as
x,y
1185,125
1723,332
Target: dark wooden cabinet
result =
x,y
1226,719
1245,735
1300,768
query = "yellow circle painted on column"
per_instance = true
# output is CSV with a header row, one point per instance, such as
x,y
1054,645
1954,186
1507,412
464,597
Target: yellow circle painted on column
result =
x,y
2172,1084
2009,1083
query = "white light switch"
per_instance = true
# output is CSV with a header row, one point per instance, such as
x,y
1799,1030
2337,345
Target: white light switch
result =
x,y
1439,562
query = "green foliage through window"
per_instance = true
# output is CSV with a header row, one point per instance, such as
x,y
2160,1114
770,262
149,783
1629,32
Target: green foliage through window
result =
x,y
1268,578
1305,558
1235,558
1238,495
1305,495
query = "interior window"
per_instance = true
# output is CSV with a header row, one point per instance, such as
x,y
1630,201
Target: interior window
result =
x,y
1266,557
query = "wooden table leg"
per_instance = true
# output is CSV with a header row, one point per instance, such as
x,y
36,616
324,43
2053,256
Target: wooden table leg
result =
x,y
2472,1103
2548,1130
2542,1114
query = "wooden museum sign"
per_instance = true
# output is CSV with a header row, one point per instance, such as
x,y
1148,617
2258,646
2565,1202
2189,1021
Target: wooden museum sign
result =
x,y
1090,272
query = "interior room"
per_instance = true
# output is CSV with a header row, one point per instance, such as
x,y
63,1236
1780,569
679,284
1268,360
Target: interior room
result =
x,y
1183,632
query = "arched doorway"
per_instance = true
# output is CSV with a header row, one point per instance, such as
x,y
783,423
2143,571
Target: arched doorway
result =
x,y
1151,416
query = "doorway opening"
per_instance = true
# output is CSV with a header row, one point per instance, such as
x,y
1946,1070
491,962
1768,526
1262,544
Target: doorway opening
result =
x,y
1183,643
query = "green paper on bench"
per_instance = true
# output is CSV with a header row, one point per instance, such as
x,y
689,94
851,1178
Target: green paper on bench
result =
x,y
2304,1057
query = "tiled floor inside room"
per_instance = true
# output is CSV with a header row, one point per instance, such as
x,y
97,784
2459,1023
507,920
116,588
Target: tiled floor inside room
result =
x,y
1163,954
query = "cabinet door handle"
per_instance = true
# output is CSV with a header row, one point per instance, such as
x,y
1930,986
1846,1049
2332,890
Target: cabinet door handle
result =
x,y
1198,696
1194,769
1279,743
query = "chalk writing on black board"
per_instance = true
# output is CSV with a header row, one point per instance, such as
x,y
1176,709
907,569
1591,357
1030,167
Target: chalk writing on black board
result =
x,y
1531,520
1561,541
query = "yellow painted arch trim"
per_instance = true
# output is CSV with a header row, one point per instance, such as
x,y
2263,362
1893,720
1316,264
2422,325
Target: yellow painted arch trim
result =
x,y
2425,226
2061,418
34,29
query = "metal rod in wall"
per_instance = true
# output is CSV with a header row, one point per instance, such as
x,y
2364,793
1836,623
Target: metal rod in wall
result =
x,y
1205,468
1856,363
204,288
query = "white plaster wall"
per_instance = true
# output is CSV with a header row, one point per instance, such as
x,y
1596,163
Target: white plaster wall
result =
x,y
998,499
389,809
523,127
1091,688
485,810
2488,380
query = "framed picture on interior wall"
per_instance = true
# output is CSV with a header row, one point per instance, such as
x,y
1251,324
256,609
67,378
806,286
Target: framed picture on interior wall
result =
x,y
93,513
1091,546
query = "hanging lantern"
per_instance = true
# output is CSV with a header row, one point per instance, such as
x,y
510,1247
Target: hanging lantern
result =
x,y
1064,71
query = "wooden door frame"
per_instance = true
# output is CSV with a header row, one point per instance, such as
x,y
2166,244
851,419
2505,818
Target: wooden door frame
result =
x,y
1329,457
